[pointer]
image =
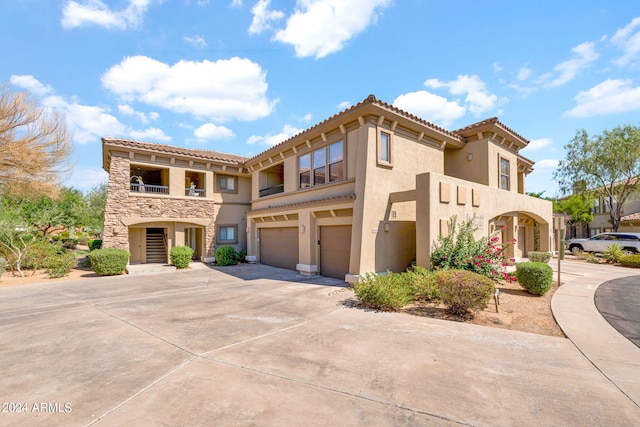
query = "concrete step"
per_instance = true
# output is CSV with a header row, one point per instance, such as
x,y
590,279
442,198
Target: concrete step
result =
x,y
149,268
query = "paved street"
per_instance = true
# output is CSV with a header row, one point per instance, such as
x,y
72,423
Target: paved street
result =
x,y
255,345
619,303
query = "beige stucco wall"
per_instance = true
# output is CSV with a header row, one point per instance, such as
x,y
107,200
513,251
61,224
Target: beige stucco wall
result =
x,y
379,242
440,197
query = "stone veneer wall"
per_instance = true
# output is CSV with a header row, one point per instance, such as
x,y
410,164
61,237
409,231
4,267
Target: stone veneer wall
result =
x,y
122,204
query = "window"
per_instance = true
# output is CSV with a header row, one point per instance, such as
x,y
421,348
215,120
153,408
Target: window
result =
x,y
504,173
227,234
226,184
596,206
313,166
384,148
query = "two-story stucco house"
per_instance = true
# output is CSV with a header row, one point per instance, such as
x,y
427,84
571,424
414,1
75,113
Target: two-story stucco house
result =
x,y
366,190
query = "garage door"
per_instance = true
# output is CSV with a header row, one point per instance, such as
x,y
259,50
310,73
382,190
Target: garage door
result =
x,y
279,247
335,250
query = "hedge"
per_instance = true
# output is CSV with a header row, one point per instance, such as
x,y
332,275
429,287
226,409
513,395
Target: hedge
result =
x,y
181,256
109,261
226,255
535,256
630,260
535,277
94,244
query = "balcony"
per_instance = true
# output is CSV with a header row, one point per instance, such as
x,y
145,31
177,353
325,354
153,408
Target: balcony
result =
x,y
272,190
149,188
194,192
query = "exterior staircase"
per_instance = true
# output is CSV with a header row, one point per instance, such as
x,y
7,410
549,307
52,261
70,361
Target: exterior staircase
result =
x,y
156,249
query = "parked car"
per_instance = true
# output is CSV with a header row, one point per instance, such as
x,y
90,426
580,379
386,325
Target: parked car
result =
x,y
630,242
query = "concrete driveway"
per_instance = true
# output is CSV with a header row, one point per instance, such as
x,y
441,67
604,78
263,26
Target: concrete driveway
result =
x,y
255,345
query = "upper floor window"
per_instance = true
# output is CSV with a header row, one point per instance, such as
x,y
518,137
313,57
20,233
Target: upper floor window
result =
x,y
384,148
504,173
596,206
312,167
226,184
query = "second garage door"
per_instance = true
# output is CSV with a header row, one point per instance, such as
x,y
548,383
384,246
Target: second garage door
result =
x,y
335,250
279,247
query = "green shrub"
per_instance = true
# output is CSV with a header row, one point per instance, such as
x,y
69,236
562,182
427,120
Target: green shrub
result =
x,y
181,256
464,292
535,256
83,240
109,261
535,277
94,244
422,283
383,292
69,243
612,253
240,256
630,260
226,255
60,265
460,251
3,265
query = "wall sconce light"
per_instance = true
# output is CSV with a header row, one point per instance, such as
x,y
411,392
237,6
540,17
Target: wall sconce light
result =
x,y
302,229
469,157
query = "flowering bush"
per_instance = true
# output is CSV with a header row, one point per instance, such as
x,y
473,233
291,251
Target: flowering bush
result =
x,y
460,251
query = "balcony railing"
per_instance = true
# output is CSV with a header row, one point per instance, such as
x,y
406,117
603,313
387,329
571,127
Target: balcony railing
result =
x,y
148,188
272,190
194,192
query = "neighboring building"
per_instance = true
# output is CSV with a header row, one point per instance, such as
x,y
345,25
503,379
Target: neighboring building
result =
x,y
367,190
629,221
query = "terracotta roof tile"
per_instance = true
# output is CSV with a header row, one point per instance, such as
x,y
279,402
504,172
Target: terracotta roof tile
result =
x,y
490,121
631,217
169,149
316,202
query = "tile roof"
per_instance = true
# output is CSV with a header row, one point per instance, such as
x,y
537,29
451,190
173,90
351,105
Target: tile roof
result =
x,y
490,121
370,100
631,217
169,149
310,203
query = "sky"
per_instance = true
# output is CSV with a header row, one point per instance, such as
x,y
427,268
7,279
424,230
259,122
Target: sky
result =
x,y
238,76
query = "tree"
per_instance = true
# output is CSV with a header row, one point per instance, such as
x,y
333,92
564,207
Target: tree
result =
x,y
604,166
95,200
34,145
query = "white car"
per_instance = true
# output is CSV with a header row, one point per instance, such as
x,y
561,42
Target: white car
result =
x,y
630,242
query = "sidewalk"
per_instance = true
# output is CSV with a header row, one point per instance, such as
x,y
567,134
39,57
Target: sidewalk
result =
x,y
574,308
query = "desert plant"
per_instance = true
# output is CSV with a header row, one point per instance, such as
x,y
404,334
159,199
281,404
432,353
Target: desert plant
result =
x,y
383,292
535,277
464,292
630,260
612,253
60,265
592,258
69,243
94,244
181,256
460,251
422,283
226,255
536,256
109,261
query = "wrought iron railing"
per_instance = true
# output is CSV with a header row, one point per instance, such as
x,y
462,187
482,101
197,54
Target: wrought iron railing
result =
x,y
194,192
148,188
272,190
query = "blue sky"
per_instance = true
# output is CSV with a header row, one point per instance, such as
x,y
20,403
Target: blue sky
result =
x,y
240,75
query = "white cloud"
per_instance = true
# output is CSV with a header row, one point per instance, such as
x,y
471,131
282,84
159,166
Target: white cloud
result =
x,y
546,165
610,96
150,133
321,27
209,131
566,71
538,144
222,90
431,107
87,178
497,67
262,17
478,100
128,110
524,73
86,12
197,41
287,132
344,105
30,83
235,4
628,39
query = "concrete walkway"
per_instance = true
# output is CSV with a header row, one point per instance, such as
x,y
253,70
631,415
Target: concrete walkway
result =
x,y
575,311
255,345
